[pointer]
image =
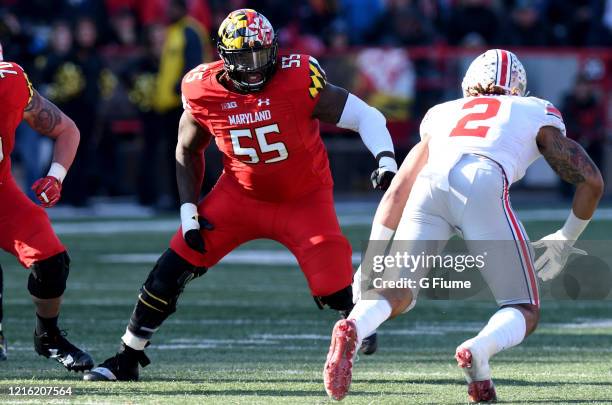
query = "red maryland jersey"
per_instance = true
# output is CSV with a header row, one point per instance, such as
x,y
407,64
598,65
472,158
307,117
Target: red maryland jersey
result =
x,y
271,145
15,93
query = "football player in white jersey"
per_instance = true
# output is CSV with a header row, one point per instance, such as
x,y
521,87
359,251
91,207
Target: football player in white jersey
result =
x,y
455,181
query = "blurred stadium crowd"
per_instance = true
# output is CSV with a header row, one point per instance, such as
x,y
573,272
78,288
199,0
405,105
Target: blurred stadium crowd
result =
x,y
115,66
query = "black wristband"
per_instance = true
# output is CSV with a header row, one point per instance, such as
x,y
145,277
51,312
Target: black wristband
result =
x,y
383,154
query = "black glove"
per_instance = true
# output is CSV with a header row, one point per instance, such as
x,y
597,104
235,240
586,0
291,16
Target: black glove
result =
x,y
381,179
193,237
387,167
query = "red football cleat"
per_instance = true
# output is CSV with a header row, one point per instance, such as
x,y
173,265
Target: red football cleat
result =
x,y
338,371
478,391
463,357
481,391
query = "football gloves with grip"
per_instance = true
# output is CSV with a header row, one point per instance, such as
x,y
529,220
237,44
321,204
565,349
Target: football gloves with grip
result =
x,y
387,168
192,223
194,238
48,190
558,250
381,179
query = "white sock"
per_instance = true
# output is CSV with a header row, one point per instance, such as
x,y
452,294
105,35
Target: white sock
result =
x,y
505,329
133,341
369,315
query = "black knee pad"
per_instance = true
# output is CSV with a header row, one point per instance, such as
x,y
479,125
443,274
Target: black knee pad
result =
x,y
166,282
340,300
49,276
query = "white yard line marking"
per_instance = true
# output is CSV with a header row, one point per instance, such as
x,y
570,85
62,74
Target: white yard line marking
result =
x,y
266,257
303,342
352,219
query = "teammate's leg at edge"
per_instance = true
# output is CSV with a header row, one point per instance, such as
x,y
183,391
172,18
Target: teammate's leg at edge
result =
x,y
3,345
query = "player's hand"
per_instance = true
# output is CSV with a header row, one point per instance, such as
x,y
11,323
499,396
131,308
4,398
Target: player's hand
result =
x,y
192,224
553,259
48,190
381,177
193,236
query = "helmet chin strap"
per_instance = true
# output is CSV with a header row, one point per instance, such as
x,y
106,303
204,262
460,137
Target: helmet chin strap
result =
x,y
243,87
249,86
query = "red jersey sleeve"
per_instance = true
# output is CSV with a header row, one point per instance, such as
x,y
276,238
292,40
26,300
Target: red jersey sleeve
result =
x,y
306,78
15,87
190,87
195,93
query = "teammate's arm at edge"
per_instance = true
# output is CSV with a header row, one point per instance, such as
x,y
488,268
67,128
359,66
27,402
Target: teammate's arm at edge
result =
x,y
47,119
192,141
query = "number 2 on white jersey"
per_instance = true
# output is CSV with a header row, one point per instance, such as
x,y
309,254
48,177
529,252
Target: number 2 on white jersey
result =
x,y
264,146
491,111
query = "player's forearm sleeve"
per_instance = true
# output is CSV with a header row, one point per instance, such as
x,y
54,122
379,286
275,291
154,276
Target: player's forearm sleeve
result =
x,y
369,122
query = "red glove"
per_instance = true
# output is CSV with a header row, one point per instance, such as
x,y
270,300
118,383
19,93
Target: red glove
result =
x,y
48,190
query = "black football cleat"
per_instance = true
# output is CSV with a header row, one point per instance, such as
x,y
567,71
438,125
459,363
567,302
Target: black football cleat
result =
x,y
369,344
56,346
3,347
123,366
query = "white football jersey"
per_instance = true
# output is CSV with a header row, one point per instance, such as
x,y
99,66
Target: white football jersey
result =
x,y
502,128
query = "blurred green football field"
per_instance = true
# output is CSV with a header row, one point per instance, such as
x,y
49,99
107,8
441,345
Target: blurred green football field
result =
x,y
248,332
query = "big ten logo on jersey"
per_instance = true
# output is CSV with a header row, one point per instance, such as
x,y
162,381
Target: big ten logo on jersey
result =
x,y
7,68
196,73
292,60
230,105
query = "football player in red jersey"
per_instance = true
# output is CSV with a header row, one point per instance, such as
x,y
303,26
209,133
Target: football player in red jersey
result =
x,y
263,111
26,229
2,339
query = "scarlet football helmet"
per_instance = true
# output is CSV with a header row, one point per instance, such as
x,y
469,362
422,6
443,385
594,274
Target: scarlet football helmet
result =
x,y
498,70
248,46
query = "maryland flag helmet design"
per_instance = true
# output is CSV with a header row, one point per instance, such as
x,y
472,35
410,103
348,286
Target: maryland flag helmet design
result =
x,y
248,46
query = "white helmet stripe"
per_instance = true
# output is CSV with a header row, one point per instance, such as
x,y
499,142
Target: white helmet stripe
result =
x,y
497,66
509,69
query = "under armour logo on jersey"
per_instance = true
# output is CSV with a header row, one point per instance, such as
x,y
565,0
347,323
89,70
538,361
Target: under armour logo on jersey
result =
x,y
263,101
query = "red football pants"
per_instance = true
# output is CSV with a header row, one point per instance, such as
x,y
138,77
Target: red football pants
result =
x,y
307,226
25,228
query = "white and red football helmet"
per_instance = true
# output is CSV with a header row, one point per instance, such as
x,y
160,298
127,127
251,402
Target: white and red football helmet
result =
x,y
499,68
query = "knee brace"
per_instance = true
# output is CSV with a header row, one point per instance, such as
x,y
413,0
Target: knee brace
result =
x,y
340,300
48,277
166,282
160,292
